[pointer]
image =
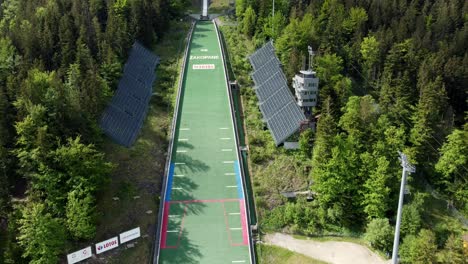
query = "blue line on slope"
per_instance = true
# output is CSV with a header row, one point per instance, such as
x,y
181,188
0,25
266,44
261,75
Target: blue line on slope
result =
x,y
169,182
240,191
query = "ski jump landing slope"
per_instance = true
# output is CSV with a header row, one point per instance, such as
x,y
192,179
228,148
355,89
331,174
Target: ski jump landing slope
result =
x,y
204,216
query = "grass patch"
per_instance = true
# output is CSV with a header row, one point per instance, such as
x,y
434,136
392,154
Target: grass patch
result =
x,y
136,181
218,6
215,6
275,255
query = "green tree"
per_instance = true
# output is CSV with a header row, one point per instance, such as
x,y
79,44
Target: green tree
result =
x,y
358,116
419,249
41,236
71,166
370,50
330,23
8,59
293,42
410,220
398,90
356,20
452,166
274,25
305,143
33,140
427,117
249,21
240,9
4,185
337,182
453,252
412,214
326,131
329,68
80,214
379,234
66,40
376,190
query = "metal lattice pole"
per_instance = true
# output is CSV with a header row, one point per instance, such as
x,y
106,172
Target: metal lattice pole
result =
x,y
407,167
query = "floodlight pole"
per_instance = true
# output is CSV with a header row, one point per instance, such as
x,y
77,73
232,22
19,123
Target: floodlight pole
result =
x,y
273,8
407,167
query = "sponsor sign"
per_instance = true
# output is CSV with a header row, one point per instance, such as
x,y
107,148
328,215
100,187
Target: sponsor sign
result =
x,y
129,235
203,66
107,245
79,255
204,57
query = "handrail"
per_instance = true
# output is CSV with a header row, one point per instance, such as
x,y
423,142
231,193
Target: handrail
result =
x,y
169,151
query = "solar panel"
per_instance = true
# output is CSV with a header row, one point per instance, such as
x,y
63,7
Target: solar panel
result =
x,y
278,106
285,122
136,89
270,86
274,103
262,55
263,74
124,116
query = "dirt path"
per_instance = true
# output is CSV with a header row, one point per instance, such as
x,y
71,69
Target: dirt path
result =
x,y
332,252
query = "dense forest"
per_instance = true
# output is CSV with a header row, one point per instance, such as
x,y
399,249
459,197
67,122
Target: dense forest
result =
x,y
393,77
60,61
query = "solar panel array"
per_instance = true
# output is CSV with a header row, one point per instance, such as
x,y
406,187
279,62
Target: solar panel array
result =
x,y
124,116
278,106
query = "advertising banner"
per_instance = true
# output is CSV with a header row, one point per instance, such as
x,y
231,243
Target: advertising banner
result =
x,y
107,245
79,255
129,235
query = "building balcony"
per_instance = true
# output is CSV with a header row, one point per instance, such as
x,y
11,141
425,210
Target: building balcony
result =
x,y
306,104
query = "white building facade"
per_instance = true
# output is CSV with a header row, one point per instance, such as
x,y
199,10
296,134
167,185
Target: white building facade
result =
x,y
306,87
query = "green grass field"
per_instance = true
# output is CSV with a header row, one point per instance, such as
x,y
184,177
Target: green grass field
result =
x,y
204,213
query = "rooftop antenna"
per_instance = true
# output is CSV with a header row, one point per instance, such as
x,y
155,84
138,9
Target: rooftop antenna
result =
x,y
311,57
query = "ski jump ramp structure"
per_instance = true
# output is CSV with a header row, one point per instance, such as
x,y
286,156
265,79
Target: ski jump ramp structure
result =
x,y
203,214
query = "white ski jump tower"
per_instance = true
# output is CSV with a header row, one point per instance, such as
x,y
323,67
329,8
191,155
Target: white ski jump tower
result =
x,y
306,86
204,15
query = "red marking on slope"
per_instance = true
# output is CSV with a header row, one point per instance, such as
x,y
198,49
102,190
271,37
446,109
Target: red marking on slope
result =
x,y
164,227
245,235
181,226
179,236
227,224
206,201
